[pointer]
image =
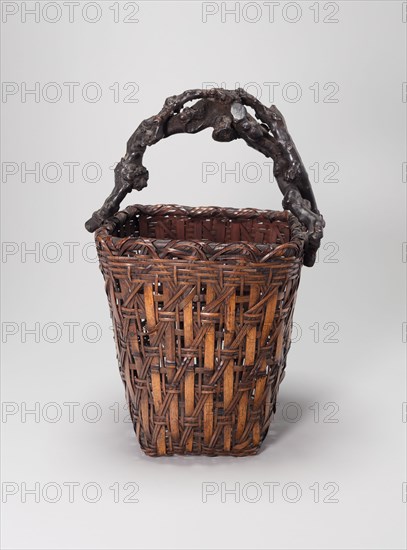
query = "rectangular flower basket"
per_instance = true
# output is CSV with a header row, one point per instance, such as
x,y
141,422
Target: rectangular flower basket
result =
x,y
202,299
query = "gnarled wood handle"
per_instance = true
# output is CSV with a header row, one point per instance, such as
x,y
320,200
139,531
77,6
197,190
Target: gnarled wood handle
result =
x,y
224,111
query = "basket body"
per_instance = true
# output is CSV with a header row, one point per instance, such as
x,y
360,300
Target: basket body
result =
x,y
202,302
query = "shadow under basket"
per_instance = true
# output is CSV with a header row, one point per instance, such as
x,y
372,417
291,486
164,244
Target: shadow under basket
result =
x,y
202,301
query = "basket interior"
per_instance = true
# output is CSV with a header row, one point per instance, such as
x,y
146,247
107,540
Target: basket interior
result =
x,y
215,227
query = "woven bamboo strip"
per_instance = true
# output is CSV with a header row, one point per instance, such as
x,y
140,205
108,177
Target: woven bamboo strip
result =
x,y
250,355
144,407
209,362
135,352
189,376
170,364
155,374
261,382
230,314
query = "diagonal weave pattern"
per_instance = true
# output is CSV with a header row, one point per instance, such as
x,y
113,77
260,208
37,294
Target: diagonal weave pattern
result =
x,y
202,302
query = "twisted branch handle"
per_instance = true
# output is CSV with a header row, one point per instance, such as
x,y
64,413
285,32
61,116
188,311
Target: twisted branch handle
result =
x,y
224,111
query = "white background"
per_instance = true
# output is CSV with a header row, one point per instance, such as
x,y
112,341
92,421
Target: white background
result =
x,y
353,436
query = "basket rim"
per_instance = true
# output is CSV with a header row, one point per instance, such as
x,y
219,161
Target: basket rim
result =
x,y
204,249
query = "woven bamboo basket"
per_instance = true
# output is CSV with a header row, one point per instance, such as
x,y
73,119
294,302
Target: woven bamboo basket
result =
x,y
202,299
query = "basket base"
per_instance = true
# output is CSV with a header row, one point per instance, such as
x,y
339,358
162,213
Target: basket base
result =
x,y
210,452
251,445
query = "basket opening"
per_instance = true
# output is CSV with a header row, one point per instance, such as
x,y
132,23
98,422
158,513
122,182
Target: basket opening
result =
x,y
217,229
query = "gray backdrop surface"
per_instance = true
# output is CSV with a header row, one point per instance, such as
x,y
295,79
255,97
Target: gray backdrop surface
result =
x,y
77,78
